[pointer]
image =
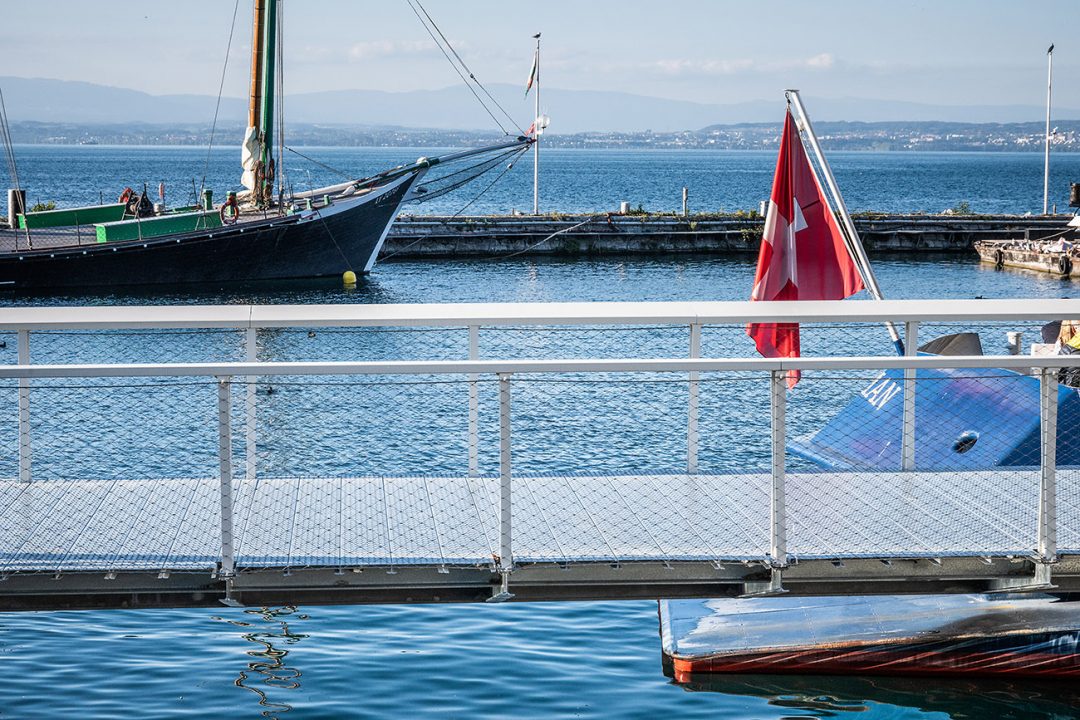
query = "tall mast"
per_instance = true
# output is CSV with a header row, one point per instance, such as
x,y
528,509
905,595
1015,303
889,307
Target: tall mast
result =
x,y
251,151
269,79
255,94
1046,155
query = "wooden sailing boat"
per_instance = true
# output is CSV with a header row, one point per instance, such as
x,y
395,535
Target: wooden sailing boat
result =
x,y
264,234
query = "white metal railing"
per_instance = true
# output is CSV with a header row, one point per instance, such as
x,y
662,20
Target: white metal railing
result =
x,y
472,317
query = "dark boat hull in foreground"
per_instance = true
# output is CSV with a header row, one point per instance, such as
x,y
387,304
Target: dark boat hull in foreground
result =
x,y
324,241
1023,636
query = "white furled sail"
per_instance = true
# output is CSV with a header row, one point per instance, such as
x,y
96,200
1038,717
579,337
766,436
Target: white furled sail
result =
x,y
250,152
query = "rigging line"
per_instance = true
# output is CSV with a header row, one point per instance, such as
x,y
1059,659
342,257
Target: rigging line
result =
x,y
457,69
221,89
466,67
9,150
463,208
498,177
488,161
324,166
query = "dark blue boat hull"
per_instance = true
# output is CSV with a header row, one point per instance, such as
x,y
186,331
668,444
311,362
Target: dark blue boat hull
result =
x,y
965,419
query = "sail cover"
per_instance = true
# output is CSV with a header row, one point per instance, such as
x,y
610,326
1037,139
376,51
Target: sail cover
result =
x,y
803,255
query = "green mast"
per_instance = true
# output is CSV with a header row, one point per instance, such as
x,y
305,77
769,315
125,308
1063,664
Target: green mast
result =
x,y
269,83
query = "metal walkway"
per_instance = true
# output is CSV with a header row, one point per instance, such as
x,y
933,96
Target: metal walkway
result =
x,y
89,517
78,537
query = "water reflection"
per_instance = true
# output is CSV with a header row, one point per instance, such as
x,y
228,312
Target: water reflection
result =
x,y
267,670
828,696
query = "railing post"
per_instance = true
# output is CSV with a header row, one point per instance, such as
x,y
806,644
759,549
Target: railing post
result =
x,y
1048,405
474,404
692,435
228,560
24,408
250,447
778,512
907,442
506,504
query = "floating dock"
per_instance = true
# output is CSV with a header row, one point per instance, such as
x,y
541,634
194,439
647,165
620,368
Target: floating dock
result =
x,y
493,236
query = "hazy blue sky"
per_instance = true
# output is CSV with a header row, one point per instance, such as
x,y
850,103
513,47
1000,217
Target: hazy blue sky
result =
x,y
949,51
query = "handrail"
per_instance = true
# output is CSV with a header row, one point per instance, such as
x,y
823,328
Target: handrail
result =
x,y
503,314
494,367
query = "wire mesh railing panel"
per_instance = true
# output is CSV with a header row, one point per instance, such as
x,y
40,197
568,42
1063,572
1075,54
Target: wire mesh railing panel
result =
x,y
956,472
9,430
9,348
136,346
603,341
734,422
600,424
123,429
373,425
362,344
1068,502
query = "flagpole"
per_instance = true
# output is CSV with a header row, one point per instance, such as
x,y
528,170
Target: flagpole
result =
x,y
853,242
536,141
1046,154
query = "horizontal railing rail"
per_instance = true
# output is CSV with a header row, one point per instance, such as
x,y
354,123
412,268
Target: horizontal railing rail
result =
x,y
514,367
502,314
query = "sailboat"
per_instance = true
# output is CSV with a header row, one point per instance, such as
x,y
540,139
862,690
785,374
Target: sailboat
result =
x,y
266,232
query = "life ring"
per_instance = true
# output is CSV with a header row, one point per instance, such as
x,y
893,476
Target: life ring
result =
x,y
229,212
1064,264
999,258
126,195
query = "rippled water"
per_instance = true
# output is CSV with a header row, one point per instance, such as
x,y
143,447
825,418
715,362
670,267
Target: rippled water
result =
x,y
595,660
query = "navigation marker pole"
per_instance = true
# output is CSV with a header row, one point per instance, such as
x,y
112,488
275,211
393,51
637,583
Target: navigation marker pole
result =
x,y
1046,153
854,244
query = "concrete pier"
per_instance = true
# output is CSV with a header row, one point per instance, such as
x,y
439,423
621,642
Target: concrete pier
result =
x,y
614,234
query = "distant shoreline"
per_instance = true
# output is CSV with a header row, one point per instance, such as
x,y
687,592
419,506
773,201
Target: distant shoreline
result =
x,y
834,136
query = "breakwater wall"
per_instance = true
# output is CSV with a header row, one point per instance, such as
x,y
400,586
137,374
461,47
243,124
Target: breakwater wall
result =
x,y
420,236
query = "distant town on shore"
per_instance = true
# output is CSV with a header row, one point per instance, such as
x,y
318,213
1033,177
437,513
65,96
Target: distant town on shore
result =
x,y
855,136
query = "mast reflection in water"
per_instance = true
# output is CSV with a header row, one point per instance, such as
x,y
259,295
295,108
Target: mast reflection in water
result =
x,y
267,671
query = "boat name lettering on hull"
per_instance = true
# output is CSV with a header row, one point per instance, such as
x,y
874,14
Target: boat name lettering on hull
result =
x,y
881,391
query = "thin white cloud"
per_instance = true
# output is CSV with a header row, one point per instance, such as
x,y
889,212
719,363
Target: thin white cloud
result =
x,y
381,49
680,67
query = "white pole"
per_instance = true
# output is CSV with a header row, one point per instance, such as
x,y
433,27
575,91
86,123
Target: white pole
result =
x,y
855,246
1046,153
537,130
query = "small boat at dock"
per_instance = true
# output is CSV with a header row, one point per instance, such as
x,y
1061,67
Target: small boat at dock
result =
x,y
1057,254
1013,635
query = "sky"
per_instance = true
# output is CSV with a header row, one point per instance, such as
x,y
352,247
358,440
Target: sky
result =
x,y
955,52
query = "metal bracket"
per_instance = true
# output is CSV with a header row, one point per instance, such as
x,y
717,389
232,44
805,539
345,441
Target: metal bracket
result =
x,y
504,593
1039,582
774,586
229,600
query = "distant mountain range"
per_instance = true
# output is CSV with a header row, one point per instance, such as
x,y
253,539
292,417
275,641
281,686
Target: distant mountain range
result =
x,y
453,108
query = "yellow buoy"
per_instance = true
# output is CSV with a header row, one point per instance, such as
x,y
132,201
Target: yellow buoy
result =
x,y
348,277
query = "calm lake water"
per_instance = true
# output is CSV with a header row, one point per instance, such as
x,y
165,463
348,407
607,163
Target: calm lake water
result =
x,y
595,660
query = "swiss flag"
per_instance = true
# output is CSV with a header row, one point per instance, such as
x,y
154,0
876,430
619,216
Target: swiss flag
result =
x,y
803,256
